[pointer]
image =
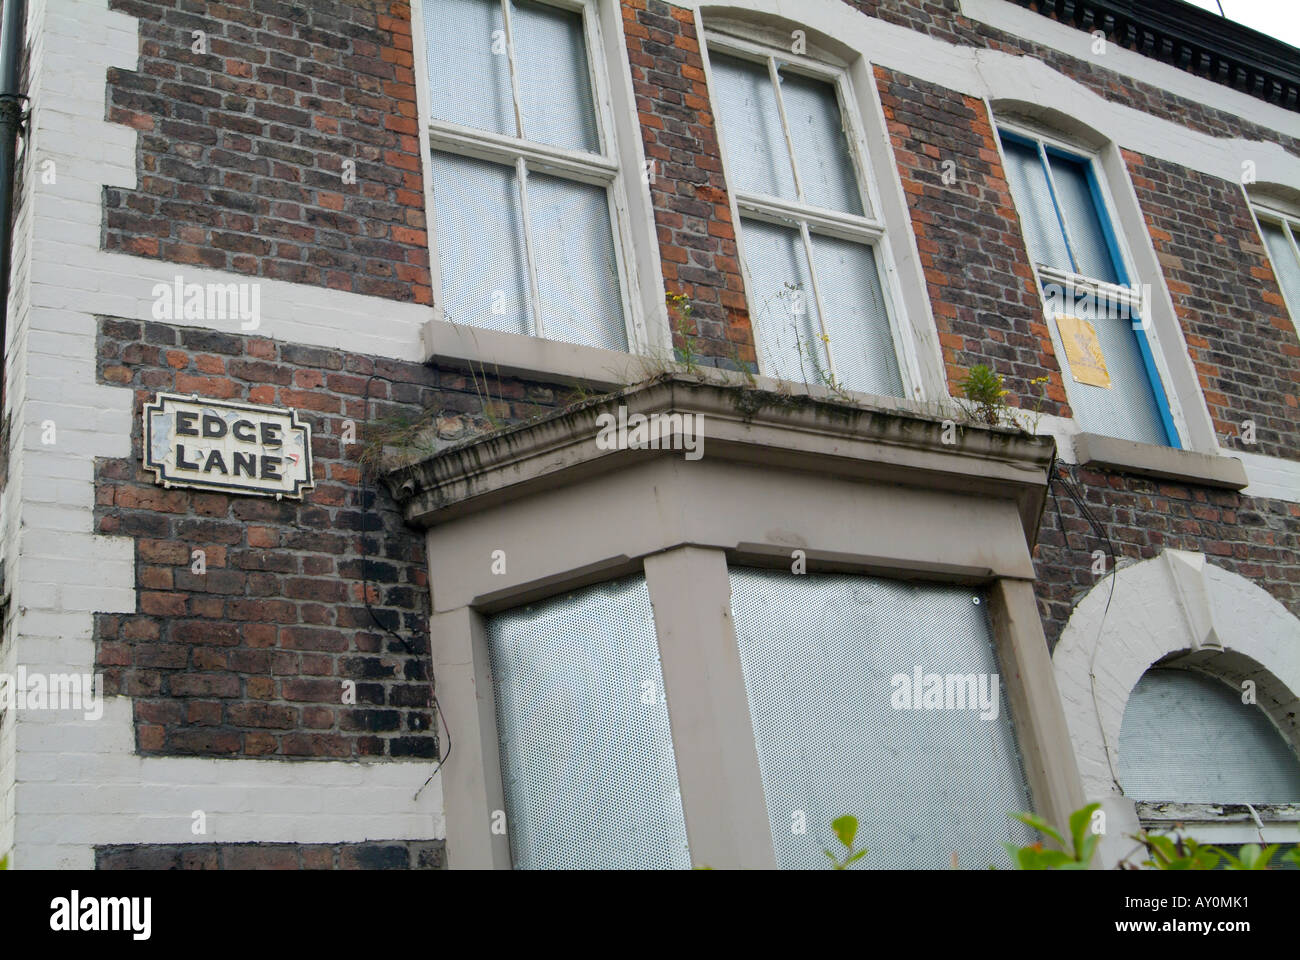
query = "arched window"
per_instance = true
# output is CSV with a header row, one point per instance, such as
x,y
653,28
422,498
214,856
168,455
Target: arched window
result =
x,y
1189,738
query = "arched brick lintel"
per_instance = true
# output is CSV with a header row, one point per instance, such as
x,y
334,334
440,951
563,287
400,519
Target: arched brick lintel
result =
x,y
1176,607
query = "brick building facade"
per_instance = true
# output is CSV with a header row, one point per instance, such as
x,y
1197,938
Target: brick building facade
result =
x,y
435,298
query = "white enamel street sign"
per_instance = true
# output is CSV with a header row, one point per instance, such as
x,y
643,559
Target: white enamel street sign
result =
x,y
190,441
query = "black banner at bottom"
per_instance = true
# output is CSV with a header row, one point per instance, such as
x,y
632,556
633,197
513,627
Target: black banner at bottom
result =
x,y
339,909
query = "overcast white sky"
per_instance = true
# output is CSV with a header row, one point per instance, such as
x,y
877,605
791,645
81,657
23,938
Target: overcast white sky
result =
x,y
1277,18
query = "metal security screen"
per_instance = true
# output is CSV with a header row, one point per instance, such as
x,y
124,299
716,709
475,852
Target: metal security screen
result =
x,y
586,756
1189,738
1127,409
820,654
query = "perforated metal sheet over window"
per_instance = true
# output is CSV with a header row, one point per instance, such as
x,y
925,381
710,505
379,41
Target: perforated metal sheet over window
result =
x,y
1127,408
586,755
820,655
1188,738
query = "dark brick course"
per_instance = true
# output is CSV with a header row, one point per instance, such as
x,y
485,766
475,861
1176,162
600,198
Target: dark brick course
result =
x,y
370,855
242,181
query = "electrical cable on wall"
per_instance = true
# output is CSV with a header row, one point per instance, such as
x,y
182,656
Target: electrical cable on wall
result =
x,y
1100,530
365,597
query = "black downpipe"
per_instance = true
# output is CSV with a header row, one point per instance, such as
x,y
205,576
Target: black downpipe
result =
x,y
12,108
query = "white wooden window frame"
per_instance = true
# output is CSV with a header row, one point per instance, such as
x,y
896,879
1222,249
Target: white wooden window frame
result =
x,y
526,156
809,219
1120,294
1289,220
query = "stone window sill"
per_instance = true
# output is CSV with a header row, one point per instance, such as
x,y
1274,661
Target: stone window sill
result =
x,y
516,355
1165,463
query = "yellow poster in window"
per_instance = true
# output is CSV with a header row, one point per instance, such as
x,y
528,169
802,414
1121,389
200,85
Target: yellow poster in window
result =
x,y
1082,349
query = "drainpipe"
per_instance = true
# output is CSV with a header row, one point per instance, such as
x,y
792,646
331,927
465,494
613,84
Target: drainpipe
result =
x,y
11,121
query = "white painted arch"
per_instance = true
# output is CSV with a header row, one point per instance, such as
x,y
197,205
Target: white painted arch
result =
x,y
1176,608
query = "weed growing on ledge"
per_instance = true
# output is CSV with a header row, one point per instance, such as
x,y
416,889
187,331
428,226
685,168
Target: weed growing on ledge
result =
x,y
984,400
686,354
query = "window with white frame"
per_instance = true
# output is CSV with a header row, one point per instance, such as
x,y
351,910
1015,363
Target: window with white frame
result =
x,y
1282,238
526,180
811,240
1096,311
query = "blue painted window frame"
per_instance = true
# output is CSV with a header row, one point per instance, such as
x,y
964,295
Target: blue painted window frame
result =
x,y
1043,150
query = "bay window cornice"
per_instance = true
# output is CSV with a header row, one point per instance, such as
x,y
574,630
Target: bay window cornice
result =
x,y
804,429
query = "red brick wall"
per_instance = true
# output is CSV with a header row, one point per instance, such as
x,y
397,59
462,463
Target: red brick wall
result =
x,y
697,239
981,285
242,150
1255,538
988,311
1238,332
249,658
221,131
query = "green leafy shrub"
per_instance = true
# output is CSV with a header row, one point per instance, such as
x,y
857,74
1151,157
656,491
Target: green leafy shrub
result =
x,y
846,828
1037,857
983,391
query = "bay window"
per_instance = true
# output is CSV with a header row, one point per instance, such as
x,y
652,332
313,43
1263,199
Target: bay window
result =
x,y
820,654
586,756
680,667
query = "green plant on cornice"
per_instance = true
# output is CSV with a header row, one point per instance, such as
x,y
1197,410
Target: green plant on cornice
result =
x,y
983,396
1036,414
485,396
983,399
822,376
578,393
406,433
686,354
